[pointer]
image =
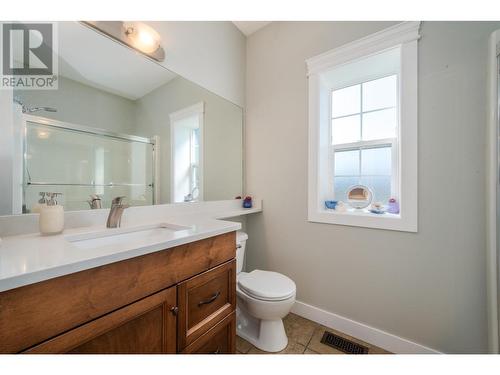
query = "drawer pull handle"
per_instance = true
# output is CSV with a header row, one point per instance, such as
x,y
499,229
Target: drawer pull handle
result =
x,y
210,300
217,351
175,310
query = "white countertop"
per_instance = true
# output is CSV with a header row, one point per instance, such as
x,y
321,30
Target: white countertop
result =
x,y
31,258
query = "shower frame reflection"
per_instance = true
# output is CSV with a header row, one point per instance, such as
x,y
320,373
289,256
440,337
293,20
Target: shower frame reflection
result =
x,y
60,125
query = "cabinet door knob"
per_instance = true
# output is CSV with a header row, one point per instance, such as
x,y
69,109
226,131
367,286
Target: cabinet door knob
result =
x,y
175,310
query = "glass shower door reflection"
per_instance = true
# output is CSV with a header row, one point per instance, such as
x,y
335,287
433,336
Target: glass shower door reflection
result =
x,y
78,164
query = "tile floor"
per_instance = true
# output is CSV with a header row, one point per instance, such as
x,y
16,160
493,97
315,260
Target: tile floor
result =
x,y
304,337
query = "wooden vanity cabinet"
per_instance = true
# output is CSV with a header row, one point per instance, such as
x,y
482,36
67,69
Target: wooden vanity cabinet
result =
x,y
147,326
181,299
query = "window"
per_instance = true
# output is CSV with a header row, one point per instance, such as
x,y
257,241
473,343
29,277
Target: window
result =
x,y
364,138
186,167
363,128
194,173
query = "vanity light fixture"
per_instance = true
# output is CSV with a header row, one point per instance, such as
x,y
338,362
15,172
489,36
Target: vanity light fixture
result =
x,y
137,35
142,36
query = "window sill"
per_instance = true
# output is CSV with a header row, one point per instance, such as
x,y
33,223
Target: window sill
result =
x,y
364,218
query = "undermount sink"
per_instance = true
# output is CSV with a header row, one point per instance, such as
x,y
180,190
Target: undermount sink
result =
x,y
118,236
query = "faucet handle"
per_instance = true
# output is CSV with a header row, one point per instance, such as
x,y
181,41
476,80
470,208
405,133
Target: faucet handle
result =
x,y
117,200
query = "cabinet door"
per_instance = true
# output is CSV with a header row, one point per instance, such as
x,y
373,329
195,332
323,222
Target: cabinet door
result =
x,y
146,326
205,300
221,339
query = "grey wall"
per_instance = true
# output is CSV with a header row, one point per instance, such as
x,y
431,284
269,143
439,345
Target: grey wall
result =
x,y
209,53
428,287
223,132
84,105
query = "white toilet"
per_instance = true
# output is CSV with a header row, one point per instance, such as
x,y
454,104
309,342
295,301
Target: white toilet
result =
x,y
263,299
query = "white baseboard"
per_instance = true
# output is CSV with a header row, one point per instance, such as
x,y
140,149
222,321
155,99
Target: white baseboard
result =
x,y
361,331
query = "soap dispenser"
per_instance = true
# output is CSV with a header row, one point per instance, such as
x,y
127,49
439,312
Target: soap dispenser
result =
x,y
41,202
51,216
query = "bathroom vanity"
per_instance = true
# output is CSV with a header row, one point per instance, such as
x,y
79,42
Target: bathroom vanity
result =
x,y
177,300
172,151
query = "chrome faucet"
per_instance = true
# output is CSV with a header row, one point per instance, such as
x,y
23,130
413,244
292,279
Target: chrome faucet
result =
x,y
116,212
94,202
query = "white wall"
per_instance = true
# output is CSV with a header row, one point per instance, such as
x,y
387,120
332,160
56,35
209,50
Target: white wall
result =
x,y
428,287
211,54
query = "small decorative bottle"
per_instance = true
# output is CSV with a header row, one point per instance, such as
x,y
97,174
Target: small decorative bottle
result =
x,y
51,219
393,206
247,202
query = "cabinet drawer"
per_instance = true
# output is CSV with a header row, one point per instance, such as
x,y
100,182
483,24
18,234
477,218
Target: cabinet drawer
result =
x,y
204,301
221,339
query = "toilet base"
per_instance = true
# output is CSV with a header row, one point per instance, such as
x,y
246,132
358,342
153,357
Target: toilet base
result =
x,y
266,335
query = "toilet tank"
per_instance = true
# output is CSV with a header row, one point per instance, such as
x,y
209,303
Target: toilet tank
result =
x,y
241,241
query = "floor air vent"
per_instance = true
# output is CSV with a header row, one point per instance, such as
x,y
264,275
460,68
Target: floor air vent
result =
x,y
343,344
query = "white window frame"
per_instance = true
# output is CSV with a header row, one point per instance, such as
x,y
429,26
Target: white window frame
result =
x,y
194,165
198,110
320,174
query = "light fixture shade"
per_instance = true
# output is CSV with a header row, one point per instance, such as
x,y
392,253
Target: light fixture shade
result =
x,y
142,37
134,34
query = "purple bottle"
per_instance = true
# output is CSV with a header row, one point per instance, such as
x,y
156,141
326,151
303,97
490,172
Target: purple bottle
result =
x,y
393,206
247,202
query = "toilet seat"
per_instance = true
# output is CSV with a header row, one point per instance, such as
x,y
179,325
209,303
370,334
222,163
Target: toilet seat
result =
x,y
266,285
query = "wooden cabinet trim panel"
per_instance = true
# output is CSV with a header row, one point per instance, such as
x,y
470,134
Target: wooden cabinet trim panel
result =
x,y
165,299
34,313
185,334
228,324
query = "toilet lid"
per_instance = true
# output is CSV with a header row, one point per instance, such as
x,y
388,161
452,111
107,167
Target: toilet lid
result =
x,y
266,285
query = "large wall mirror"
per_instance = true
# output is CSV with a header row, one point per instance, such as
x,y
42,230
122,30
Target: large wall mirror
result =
x,y
119,124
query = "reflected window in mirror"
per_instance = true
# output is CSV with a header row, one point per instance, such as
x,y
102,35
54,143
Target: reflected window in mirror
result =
x,y
194,183
187,149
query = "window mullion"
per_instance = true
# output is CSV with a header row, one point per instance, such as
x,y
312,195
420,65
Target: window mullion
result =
x,y
360,132
364,112
361,113
359,166
364,144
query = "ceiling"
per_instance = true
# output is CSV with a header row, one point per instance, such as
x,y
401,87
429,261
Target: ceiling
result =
x,y
95,60
249,27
